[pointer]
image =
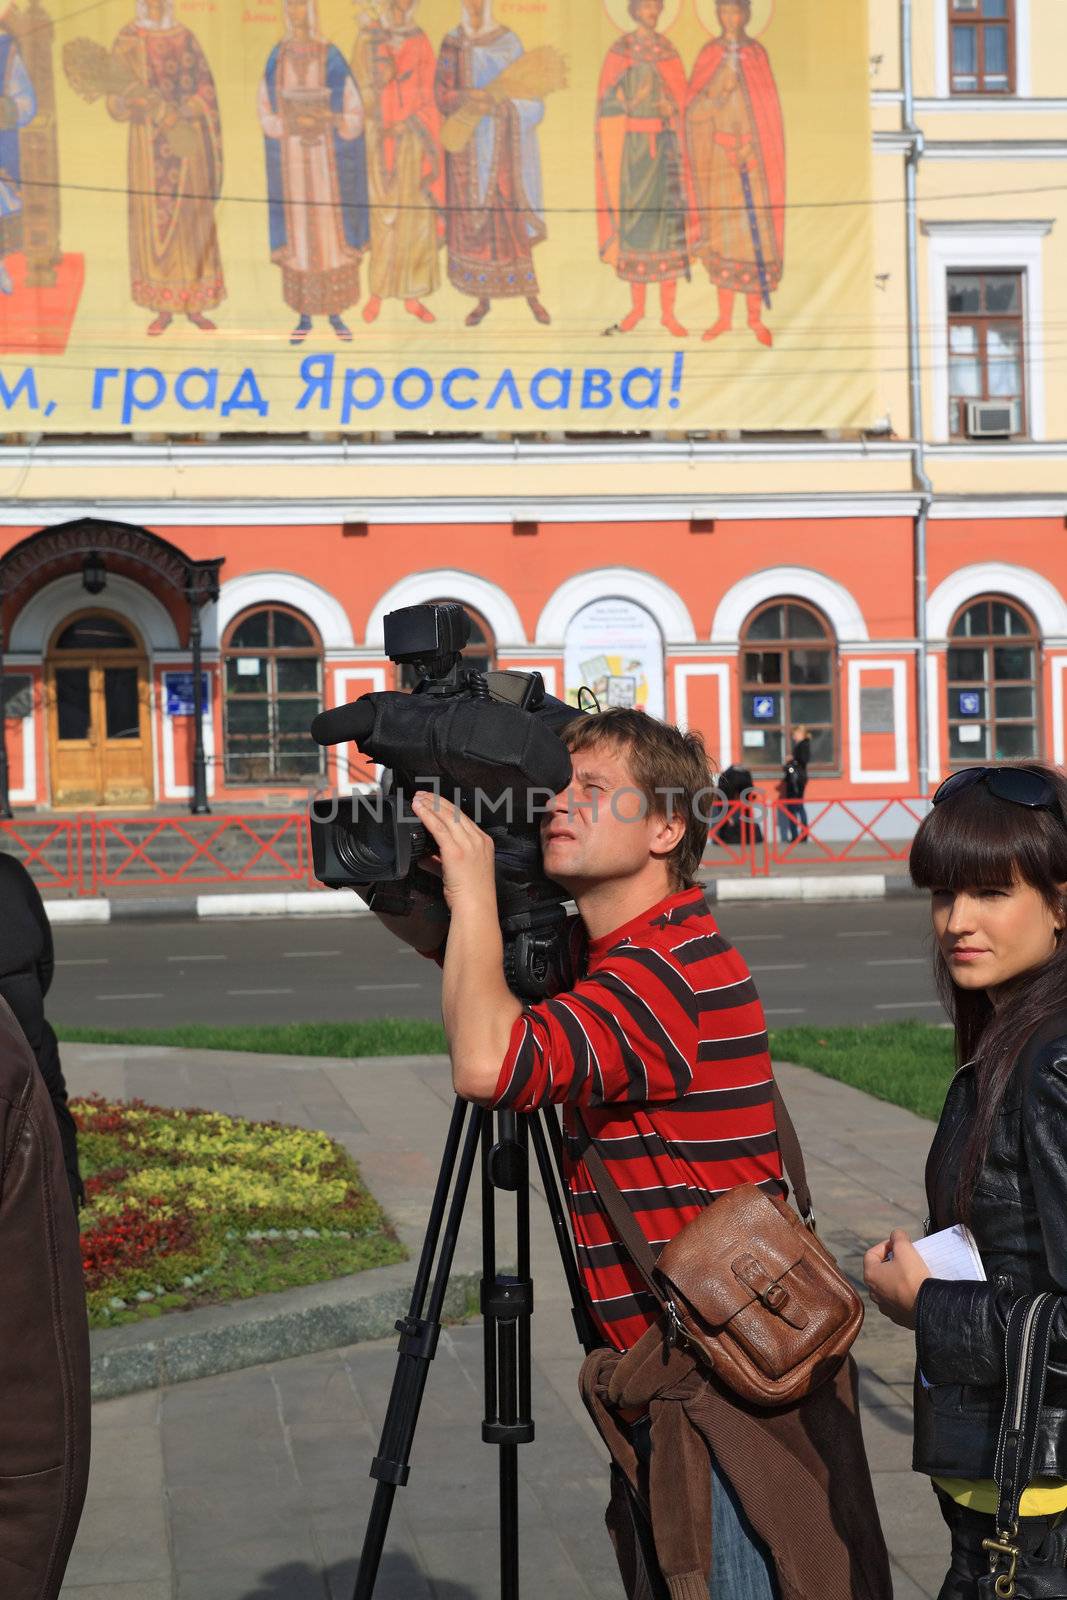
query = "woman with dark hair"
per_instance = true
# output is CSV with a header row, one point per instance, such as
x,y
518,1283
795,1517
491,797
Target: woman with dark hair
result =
x,y
993,854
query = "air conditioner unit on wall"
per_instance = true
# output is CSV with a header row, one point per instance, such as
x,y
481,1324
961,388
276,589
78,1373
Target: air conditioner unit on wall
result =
x,y
987,419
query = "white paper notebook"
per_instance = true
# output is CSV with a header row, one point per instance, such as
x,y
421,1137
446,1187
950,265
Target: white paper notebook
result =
x,y
952,1253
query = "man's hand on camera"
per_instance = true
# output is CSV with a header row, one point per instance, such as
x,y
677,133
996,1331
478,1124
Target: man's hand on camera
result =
x,y
465,853
478,1007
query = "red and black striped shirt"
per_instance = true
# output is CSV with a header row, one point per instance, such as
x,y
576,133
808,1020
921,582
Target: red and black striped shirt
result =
x,y
662,1045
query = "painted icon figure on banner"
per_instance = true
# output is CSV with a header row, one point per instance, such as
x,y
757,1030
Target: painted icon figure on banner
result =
x,y
157,79
18,107
642,182
736,145
312,119
491,93
394,67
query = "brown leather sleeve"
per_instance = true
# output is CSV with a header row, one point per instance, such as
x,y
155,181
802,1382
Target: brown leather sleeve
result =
x,y
44,1337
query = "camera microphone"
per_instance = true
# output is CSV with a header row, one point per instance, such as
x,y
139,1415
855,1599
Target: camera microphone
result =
x,y
354,721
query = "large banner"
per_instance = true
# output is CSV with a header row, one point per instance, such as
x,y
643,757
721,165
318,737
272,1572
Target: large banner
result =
x,y
460,215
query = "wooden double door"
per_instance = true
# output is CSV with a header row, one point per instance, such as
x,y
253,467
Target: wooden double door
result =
x,y
99,717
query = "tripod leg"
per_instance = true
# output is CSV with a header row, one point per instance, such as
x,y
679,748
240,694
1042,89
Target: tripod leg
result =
x,y
507,1304
418,1341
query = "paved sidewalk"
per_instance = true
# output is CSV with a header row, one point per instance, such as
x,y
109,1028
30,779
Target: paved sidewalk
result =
x,y
254,1486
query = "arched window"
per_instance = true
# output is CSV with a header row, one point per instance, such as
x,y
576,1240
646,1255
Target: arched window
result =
x,y
272,662
478,654
992,684
788,676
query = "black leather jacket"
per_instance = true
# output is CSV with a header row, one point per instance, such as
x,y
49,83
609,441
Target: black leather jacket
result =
x,y
1020,1226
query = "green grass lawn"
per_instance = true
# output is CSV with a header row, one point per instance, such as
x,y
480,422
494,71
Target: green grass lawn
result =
x,y
907,1063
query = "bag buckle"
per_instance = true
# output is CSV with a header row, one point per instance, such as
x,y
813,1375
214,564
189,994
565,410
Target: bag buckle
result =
x,y
1002,1546
775,1297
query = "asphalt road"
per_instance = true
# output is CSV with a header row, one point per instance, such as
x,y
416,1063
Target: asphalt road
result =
x,y
847,962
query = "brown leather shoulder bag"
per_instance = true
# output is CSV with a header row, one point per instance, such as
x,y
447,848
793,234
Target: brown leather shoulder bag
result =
x,y
747,1287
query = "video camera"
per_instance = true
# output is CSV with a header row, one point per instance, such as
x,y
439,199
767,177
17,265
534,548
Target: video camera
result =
x,y
490,742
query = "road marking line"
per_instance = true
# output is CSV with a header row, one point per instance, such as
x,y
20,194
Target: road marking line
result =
x,y
864,933
85,961
898,961
198,958
260,991
906,1005
388,985
750,938
784,1011
304,955
153,996
782,966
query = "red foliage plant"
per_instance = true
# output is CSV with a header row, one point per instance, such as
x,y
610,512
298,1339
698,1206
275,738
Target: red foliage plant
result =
x,y
129,1240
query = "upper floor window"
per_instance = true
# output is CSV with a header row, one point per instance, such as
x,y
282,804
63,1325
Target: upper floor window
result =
x,y
985,349
478,654
273,689
788,677
982,43
992,684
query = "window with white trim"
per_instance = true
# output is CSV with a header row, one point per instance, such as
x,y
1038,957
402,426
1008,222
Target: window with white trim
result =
x,y
993,701
985,346
982,46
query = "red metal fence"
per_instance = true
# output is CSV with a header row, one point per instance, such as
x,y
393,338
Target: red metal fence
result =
x,y
90,855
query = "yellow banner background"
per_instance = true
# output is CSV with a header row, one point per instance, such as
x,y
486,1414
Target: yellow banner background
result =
x,y
818,373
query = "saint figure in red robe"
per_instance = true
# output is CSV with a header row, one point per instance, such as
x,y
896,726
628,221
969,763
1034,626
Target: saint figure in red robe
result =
x,y
736,146
641,181
394,68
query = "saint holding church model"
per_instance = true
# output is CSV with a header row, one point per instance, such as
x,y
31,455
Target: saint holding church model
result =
x,y
736,148
312,119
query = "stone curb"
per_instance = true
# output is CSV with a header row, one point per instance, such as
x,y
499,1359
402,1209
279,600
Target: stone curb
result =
x,y
316,903
183,1345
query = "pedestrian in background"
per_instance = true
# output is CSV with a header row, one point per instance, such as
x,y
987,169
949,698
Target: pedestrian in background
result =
x,y
26,967
792,813
993,853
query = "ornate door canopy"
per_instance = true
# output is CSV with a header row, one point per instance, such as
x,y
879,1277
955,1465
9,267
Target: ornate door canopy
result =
x,y
54,549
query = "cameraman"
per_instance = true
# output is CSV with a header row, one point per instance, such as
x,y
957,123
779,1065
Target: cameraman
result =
x,y
658,1045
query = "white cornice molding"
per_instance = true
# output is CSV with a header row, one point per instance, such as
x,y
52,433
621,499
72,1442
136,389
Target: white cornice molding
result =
x,y
995,150
491,510
997,508
1032,589
615,583
835,602
985,104
1036,227
460,454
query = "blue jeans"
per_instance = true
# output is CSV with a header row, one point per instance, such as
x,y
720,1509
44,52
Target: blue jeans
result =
x,y
790,813
741,1565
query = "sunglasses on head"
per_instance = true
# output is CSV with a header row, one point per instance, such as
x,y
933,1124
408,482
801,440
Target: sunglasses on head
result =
x,y
1015,784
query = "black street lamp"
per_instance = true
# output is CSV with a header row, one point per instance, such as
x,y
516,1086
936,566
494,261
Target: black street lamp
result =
x,y
203,586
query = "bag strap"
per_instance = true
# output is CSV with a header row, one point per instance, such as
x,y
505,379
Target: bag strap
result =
x,y
1026,1351
634,1241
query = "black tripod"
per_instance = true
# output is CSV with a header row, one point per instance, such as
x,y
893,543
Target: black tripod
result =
x,y
506,1303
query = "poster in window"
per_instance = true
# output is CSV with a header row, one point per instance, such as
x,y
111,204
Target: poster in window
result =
x,y
614,648
970,703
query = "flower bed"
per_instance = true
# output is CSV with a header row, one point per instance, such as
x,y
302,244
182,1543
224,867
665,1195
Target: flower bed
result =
x,y
187,1208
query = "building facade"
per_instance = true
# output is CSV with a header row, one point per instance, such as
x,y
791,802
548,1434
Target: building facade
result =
x,y
902,590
